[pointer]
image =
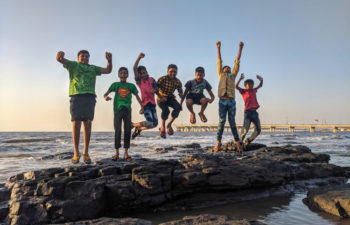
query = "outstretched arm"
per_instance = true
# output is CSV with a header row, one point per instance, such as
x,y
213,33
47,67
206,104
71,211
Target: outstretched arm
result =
x,y
60,58
219,66
237,84
108,69
136,73
236,66
107,98
261,81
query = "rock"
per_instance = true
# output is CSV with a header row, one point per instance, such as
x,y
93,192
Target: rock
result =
x,y
334,200
231,147
209,219
109,221
60,156
112,189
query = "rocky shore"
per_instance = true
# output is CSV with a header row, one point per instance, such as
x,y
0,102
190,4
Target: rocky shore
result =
x,y
204,179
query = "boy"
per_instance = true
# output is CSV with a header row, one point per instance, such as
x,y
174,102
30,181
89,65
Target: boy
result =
x,y
250,107
122,110
166,87
147,87
226,93
82,79
194,94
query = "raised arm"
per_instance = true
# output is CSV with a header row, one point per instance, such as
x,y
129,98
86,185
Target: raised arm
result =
x,y
236,66
219,64
261,81
241,78
136,64
60,58
108,69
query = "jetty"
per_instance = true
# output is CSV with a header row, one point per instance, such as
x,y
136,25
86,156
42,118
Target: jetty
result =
x,y
335,128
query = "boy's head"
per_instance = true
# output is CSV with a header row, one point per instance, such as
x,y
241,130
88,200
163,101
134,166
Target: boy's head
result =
x,y
249,84
123,74
226,69
83,56
172,71
200,74
142,72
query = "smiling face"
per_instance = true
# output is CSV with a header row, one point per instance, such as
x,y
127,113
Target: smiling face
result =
x,y
123,76
143,74
172,73
84,58
199,77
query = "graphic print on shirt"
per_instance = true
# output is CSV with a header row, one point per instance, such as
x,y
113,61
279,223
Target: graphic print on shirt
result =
x,y
123,92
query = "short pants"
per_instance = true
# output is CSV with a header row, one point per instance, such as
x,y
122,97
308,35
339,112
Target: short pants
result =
x,y
196,98
82,107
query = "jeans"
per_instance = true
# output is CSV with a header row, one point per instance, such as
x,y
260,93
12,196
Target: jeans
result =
x,y
251,116
170,102
151,114
123,114
227,106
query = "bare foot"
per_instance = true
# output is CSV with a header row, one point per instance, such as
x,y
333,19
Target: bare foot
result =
x,y
192,118
170,130
217,146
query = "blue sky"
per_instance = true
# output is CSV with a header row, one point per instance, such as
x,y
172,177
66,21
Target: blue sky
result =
x,y
301,48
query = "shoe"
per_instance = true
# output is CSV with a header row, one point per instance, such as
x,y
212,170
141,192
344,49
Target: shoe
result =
x,y
136,133
86,158
75,159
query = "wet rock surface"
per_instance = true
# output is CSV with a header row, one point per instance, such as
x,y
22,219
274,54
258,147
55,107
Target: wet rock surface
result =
x,y
334,200
116,189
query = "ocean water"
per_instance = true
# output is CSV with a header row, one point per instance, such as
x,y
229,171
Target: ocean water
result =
x,y
24,151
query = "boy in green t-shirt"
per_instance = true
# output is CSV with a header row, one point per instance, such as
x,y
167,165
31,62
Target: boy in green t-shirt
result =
x,y
122,110
82,79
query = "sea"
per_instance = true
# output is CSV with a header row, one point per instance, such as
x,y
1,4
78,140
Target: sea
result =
x,y
27,151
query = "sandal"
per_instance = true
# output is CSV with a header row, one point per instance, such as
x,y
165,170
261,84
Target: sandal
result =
x,y
192,118
86,158
136,133
162,133
128,158
170,130
203,118
75,159
115,157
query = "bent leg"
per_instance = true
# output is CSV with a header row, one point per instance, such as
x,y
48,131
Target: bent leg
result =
x,y
257,127
245,127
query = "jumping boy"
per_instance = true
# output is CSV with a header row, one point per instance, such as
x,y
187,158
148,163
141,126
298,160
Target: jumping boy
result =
x,y
122,110
250,106
147,87
82,80
194,94
226,93
166,87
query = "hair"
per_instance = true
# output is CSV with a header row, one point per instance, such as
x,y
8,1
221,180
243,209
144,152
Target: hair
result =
x,y
200,69
248,81
172,66
123,68
139,68
83,52
225,67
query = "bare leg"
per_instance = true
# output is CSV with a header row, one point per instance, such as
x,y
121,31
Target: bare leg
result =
x,y
162,127
204,104
172,119
87,134
189,104
76,136
217,146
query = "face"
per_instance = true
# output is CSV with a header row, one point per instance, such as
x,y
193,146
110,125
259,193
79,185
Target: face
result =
x,y
227,69
144,74
172,72
123,75
83,58
249,86
199,76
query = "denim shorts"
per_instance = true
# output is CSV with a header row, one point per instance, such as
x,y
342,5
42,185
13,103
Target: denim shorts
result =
x,y
82,107
151,114
196,98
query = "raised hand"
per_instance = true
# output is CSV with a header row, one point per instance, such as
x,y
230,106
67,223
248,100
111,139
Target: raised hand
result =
x,y
218,44
241,44
259,77
59,56
141,55
242,76
109,56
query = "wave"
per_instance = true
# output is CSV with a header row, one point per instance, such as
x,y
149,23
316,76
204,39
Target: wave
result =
x,y
15,155
25,140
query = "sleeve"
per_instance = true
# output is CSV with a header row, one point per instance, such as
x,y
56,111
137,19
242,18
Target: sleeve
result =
x,y
179,86
188,85
154,83
112,88
97,70
160,81
70,65
219,67
207,86
236,68
134,89
241,90
137,79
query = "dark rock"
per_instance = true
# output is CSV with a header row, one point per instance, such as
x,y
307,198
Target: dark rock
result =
x,y
231,147
60,156
334,200
110,221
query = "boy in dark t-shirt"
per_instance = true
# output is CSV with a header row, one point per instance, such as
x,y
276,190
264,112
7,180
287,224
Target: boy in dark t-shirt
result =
x,y
250,107
194,94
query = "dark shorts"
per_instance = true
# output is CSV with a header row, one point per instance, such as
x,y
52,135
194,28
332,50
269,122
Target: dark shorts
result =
x,y
196,98
82,107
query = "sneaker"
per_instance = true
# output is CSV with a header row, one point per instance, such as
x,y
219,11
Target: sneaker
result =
x,y
136,133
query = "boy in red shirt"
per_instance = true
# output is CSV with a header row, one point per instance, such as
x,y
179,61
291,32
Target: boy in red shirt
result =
x,y
250,107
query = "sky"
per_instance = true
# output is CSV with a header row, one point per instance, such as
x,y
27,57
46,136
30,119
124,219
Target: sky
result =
x,y
301,48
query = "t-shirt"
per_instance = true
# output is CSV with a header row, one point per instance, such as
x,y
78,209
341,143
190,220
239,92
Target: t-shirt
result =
x,y
147,88
82,77
249,98
122,97
197,88
167,85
